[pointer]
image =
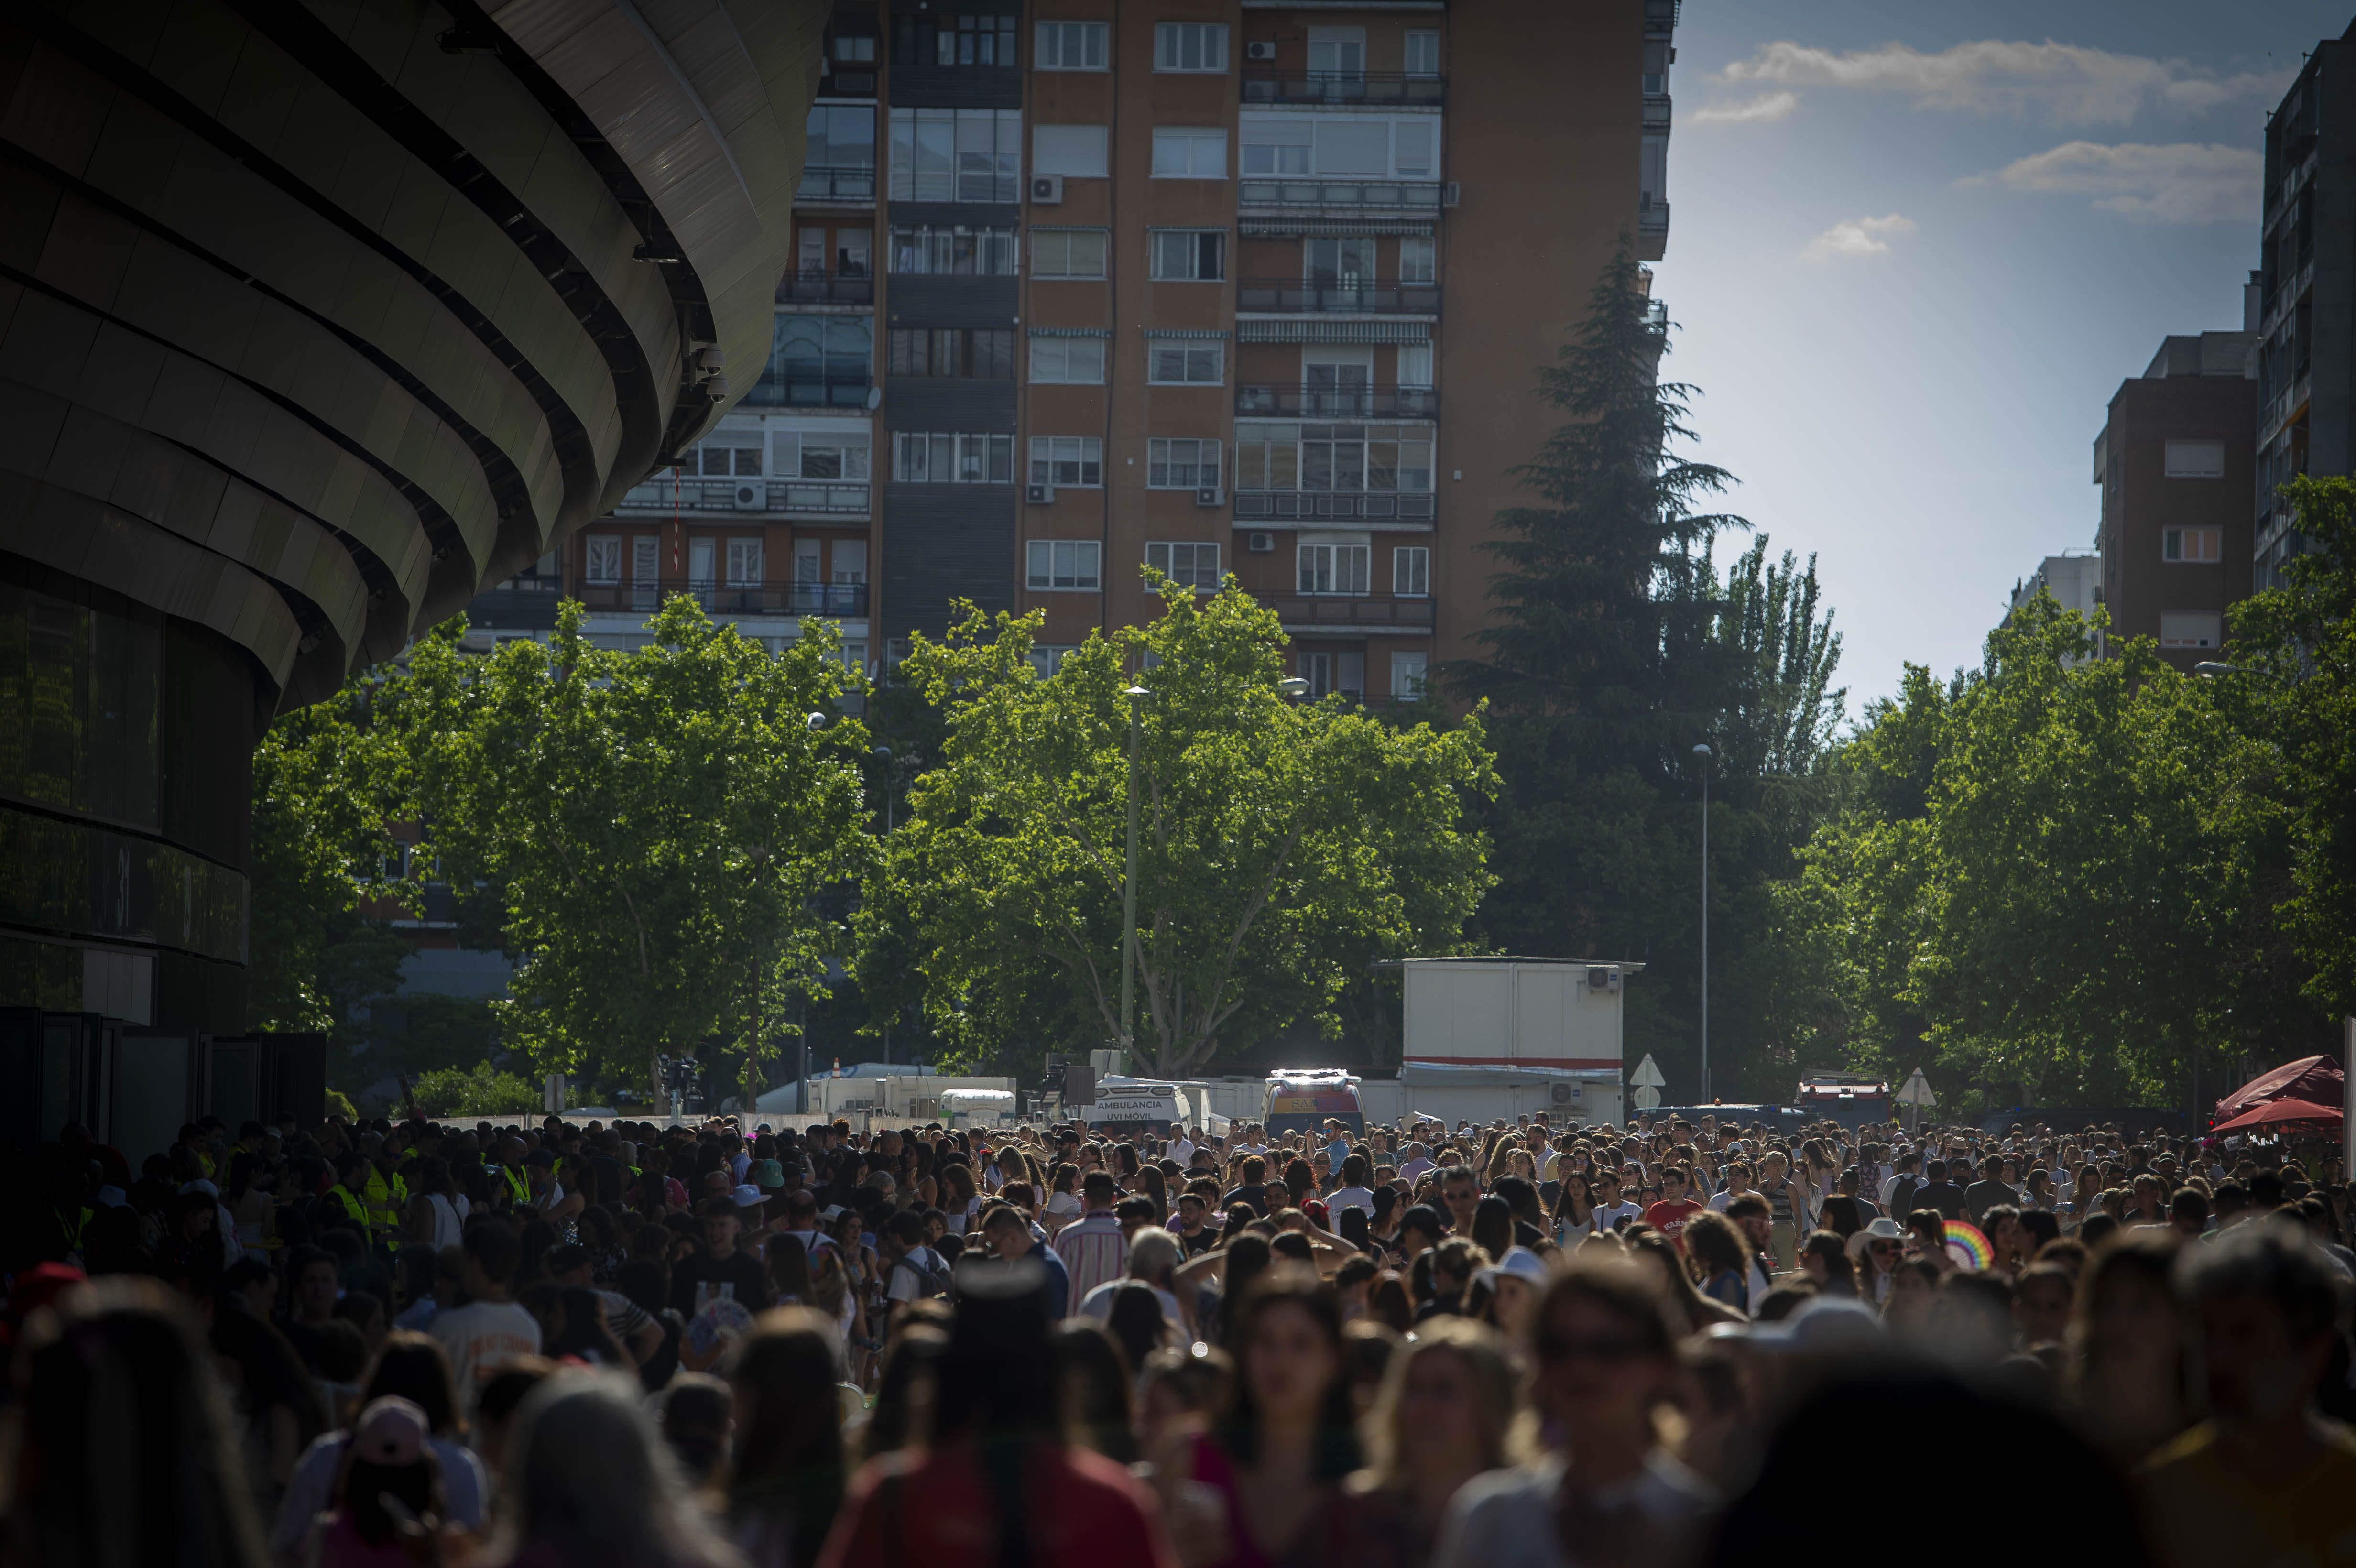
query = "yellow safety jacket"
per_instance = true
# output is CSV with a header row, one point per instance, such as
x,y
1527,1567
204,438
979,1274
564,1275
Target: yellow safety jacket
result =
x,y
386,1197
352,1205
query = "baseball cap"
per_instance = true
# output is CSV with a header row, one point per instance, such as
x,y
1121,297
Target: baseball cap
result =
x,y
768,1173
1828,1324
390,1431
748,1195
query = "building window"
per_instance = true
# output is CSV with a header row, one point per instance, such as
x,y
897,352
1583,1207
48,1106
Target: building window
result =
x,y
815,455
1418,261
1064,564
1422,53
822,359
957,251
1336,568
980,353
1067,460
730,457
956,155
1185,364
925,458
1339,457
1067,359
855,49
1075,152
1181,463
1340,146
2195,460
744,561
603,559
974,40
1329,672
1047,658
1190,46
1195,565
1067,252
1273,147
1408,672
1190,255
1189,153
2191,631
841,137
2192,546
1337,51
1412,572
1069,46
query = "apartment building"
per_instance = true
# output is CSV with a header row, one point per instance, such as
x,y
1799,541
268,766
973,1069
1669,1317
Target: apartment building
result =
x,y
1217,286
2306,419
2175,467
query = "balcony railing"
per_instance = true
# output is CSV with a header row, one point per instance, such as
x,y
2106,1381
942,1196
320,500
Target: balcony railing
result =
x,y
799,388
1652,218
1329,505
826,288
1352,296
1381,88
1411,195
1350,610
1339,402
825,497
514,608
834,600
836,182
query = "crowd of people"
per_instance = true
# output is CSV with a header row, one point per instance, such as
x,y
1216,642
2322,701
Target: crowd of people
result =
x,y
1525,1346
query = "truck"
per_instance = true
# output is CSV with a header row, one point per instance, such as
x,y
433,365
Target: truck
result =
x,y
1492,1038
1849,1098
1146,1106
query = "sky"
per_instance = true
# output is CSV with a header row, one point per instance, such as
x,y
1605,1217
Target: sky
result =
x,y
1913,251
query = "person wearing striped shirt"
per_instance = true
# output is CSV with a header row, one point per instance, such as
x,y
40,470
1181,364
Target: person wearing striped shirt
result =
x,y
1093,1247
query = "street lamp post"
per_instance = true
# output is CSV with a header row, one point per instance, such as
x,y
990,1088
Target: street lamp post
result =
x,y
884,753
1704,753
1138,698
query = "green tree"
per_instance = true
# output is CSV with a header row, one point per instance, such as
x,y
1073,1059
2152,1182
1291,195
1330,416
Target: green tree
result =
x,y
1282,848
328,781
663,823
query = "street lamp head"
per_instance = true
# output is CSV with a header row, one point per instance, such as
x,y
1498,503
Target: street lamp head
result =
x,y
1293,686
1701,750
1137,694
2211,669
883,751
815,721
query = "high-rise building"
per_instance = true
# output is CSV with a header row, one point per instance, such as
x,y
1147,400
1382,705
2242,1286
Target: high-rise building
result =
x,y
2174,463
2307,290
1217,286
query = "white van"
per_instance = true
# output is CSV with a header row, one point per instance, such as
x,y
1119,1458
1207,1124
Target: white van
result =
x,y
1141,1105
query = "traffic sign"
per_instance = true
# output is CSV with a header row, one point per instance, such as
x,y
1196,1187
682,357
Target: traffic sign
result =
x,y
1916,1091
1648,1075
1648,1098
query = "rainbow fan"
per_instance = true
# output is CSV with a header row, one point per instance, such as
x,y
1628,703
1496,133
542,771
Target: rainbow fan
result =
x,y
1968,1245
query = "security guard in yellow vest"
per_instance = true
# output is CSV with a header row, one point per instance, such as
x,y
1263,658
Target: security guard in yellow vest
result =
x,y
344,1197
509,1168
387,1198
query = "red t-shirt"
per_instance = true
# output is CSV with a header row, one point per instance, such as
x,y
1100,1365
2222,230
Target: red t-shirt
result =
x,y
1085,1511
1669,1219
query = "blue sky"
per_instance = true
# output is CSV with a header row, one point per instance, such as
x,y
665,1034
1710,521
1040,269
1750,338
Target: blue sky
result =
x,y
1915,249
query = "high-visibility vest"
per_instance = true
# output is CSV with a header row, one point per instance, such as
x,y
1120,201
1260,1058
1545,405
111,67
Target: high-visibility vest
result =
x,y
352,1205
385,1197
518,1183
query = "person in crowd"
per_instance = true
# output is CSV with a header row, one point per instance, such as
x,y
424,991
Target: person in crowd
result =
x,y
996,1483
789,1466
2127,1349
1605,1346
389,1510
1093,1249
696,1415
589,1484
1094,1385
490,1329
1447,1411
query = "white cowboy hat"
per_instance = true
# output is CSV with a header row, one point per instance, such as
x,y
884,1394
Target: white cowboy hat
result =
x,y
1883,1229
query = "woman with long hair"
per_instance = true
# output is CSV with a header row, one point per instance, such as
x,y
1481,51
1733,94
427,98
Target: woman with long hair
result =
x,y
1717,1262
1824,1258
1573,1219
279,1405
980,1491
389,1461
1449,1408
589,1483
1095,1384
789,1271
960,1195
789,1467
411,1367
122,1452
1278,1460
1695,1311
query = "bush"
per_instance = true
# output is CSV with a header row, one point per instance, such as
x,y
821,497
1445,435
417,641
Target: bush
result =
x,y
453,1091
340,1105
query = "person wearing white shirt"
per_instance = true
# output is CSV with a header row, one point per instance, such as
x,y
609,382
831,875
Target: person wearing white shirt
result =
x,y
1181,1149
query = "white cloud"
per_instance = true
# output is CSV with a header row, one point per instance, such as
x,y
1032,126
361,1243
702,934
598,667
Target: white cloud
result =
x,y
2182,183
2071,84
1766,106
1858,237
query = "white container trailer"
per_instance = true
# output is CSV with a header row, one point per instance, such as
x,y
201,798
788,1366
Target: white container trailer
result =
x,y
1495,1039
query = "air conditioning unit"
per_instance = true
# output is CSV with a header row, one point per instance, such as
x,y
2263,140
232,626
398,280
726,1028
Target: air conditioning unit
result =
x,y
1047,190
1260,544
1562,1094
1603,979
751,497
1209,495
1038,494
1266,52
1450,194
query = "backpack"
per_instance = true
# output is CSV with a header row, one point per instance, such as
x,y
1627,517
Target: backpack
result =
x,y
1901,1197
933,1277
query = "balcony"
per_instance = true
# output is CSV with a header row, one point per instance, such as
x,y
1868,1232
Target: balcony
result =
x,y
1320,402
819,497
836,601
514,608
826,288
1653,217
1657,111
1386,196
1339,609
1328,89
1353,297
1333,506
841,185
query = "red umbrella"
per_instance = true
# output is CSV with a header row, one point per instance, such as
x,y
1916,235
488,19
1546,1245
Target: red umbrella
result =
x,y
2274,1112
